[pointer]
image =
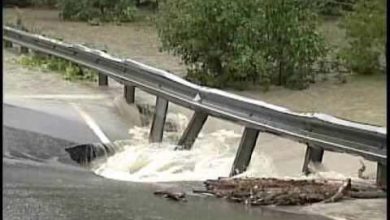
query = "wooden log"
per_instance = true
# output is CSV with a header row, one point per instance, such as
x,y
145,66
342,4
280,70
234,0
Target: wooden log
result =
x,y
245,150
23,50
160,113
129,94
192,130
7,44
313,154
381,175
41,54
340,193
103,81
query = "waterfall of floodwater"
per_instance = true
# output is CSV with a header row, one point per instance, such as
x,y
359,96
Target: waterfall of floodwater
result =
x,y
211,157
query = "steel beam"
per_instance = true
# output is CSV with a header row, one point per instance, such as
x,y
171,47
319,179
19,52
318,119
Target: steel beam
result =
x,y
313,154
192,130
245,150
160,114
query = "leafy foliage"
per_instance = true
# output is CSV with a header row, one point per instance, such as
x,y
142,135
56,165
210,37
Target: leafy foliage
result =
x,y
28,3
102,10
69,70
47,3
366,33
334,7
230,43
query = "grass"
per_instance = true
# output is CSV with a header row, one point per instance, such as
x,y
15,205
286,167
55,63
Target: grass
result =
x,y
69,70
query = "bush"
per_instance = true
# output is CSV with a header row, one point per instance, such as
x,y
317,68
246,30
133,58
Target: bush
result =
x,y
230,43
334,7
44,3
69,70
17,3
102,10
366,34
28,3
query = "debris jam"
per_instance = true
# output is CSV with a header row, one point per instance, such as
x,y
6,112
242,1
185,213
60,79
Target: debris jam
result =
x,y
271,191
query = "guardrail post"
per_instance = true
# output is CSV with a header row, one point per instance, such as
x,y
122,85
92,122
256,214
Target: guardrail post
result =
x,y
40,54
192,130
23,50
129,93
7,44
160,113
313,154
245,150
103,80
381,175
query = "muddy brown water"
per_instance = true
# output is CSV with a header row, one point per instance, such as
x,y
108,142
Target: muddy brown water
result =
x,y
362,99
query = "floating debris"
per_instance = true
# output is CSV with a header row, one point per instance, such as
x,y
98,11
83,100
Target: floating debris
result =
x,y
271,191
175,196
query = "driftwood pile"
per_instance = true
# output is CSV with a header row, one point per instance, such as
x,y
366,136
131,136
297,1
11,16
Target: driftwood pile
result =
x,y
270,191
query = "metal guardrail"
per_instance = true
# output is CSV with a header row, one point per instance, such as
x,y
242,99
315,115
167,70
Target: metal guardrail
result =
x,y
319,131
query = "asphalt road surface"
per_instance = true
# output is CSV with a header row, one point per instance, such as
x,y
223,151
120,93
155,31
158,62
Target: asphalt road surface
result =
x,y
42,182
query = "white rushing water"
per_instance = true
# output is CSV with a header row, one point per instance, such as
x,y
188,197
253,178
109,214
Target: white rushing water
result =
x,y
211,157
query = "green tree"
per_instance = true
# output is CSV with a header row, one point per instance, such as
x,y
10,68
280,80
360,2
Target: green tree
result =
x,y
366,33
230,43
102,10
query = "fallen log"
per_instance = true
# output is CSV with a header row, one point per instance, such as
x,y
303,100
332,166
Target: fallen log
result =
x,y
340,193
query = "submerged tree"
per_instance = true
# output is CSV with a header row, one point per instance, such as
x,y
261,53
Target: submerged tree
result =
x,y
366,34
230,43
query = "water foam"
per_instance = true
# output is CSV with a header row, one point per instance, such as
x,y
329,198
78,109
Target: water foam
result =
x,y
211,156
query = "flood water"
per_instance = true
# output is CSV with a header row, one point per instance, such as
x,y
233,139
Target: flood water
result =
x,y
45,185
